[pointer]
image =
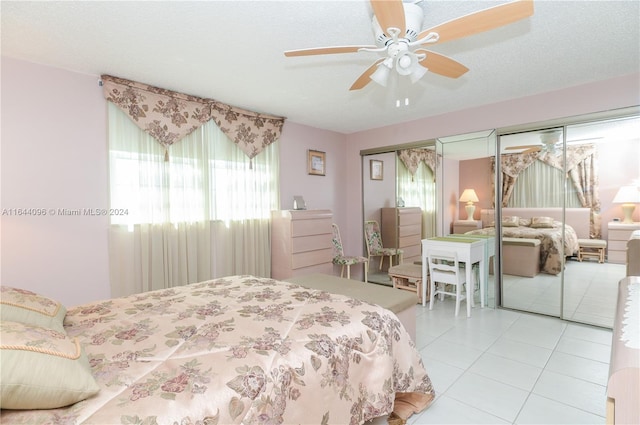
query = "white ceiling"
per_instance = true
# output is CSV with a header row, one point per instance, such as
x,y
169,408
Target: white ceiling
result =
x,y
232,51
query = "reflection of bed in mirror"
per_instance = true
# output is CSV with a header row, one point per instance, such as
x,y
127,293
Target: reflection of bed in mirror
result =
x,y
548,232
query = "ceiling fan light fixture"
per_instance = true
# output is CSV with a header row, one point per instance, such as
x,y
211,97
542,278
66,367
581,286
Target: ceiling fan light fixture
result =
x,y
405,63
418,73
381,74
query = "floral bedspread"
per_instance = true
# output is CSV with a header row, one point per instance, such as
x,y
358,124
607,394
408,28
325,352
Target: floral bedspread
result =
x,y
552,249
240,350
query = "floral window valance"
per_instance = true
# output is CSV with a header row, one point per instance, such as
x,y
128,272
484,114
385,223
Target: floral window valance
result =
x,y
169,116
411,159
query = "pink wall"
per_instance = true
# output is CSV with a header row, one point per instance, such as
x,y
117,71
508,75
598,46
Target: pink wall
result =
x,y
475,174
319,192
619,166
54,155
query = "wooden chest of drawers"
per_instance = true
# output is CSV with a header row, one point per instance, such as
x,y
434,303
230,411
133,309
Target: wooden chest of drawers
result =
x,y
301,243
402,228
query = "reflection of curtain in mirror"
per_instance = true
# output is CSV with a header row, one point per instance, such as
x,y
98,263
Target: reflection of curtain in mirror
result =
x,y
527,191
419,190
547,172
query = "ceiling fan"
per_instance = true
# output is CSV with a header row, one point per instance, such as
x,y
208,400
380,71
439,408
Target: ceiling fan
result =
x,y
398,36
549,141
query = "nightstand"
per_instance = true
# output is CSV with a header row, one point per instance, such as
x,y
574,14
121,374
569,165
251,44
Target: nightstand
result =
x,y
464,226
619,234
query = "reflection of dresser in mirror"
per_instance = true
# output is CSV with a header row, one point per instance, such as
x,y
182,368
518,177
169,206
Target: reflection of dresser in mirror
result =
x,y
402,228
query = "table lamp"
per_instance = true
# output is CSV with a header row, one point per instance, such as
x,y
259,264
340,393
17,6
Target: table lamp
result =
x,y
469,196
628,196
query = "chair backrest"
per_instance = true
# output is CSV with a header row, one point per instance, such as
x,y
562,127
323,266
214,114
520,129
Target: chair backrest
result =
x,y
372,236
444,267
338,251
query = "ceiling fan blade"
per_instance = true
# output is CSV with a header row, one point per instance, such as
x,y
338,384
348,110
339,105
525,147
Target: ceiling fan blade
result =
x,y
531,150
389,13
481,21
442,65
523,147
364,79
326,50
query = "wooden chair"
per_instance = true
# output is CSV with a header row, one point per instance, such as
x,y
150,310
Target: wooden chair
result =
x,y
444,270
375,248
344,260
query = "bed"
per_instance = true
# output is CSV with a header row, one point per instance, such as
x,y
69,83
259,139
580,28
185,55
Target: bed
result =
x,y
544,224
233,350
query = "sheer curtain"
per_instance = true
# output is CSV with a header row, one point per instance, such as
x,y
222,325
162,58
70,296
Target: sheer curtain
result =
x,y
527,188
418,190
203,213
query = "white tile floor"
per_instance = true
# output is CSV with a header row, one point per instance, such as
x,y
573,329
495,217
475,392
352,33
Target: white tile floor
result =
x,y
506,367
591,291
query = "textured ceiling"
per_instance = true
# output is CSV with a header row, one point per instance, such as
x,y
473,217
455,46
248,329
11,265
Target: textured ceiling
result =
x,y
232,51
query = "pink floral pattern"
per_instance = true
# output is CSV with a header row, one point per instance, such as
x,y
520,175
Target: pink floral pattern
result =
x,y
240,350
29,300
170,116
411,158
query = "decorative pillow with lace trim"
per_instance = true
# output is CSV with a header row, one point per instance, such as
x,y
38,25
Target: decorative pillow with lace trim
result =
x,y
42,368
20,305
541,222
524,222
510,221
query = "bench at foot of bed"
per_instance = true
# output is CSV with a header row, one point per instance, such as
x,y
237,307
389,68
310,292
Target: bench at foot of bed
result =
x,y
402,303
408,276
591,248
521,257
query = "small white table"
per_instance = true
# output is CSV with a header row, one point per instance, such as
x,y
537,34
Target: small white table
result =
x,y
490,255
470,250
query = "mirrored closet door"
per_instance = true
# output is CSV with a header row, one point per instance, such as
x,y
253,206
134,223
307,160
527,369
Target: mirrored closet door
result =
x,y
542,191
466,190
603,160
557,187
534,235
399,193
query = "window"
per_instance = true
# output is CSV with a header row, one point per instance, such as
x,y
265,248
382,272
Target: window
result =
x,y
206,177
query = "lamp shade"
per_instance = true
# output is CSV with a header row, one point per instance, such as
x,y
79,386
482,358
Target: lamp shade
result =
x,y
469,196
627,195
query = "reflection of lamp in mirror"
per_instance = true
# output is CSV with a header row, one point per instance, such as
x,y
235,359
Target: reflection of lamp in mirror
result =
x,y
628,196
469,196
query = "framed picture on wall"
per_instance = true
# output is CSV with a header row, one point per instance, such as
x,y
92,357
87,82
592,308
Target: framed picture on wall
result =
x,y
316,163
375,167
